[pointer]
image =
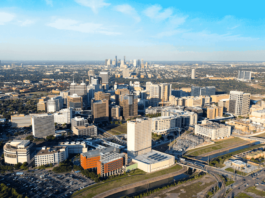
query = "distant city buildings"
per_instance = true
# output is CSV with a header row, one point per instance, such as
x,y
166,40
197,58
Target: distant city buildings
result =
x,y
202,91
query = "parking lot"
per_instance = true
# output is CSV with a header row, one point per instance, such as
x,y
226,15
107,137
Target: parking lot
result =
x,y
42,183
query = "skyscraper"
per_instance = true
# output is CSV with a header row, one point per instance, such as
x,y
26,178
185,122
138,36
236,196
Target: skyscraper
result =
x,y
105,77
239,103
116,61
129,104
124,59
100,110
195,91
193,74
134,62
139,136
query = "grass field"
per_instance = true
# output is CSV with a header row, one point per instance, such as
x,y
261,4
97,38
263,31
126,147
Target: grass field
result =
x,y
191,190
261,135
243,195
253,189
102,187
218,145
117,129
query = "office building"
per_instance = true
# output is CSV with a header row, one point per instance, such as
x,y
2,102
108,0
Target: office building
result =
x,y
55,104
75,147
193,74
217,98
244,75
239,103
43,125
202,91
42,104
129,105
140,136
224,103
78,121
65,94
76,102
105,77
85,130
20,120
107,161
64,116
212,130
120,92
177,93
100,110
195,91
51,155
101,95
126,73
18,151
214,112
116,113
79,89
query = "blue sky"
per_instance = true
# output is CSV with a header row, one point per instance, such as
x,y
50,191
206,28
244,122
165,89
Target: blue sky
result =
x,y
152,30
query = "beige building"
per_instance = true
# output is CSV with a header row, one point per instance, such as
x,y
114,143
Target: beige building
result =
x,y
101,96
225,104
245,125
86,130
75,101
212,130
100,110
21,120
51,155
42,104
129,106
216,98
214,112
258,116
139,136
120,92
17,151
116,113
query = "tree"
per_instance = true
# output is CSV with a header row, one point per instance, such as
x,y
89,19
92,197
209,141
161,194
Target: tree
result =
x,y
30,137
50,138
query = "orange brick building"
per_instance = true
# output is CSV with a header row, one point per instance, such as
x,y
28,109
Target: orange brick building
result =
x,y
107,161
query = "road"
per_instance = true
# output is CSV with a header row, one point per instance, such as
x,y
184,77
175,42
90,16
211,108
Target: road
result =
x,y
243,183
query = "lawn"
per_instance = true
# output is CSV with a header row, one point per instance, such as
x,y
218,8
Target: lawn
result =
x,y
237,172
218,145
253,189
243,195
117,129
89,192
191,190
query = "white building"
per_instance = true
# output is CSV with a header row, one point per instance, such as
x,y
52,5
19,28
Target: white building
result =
x,y
43,125
75,147
139,136
64,116
17,151
53,155
55,104
239,103
212,130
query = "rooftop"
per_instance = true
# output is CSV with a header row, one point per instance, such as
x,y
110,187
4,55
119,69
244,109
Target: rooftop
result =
x,y
153,157
95,153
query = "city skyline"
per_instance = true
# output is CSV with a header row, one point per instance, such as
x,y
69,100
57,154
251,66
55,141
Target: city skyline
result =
x,y
157,30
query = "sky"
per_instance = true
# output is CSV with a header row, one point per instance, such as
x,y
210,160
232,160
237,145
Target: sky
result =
x,y
151,30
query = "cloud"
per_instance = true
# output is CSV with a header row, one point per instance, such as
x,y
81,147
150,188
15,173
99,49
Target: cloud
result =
x,y
49,2
154,12
128,10
26,22
93,4
69,24
6,17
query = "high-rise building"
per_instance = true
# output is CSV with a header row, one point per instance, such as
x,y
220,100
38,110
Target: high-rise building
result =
x,y
195,91
134,62
80,90
202,91
64,94
43,125
139,136
244,75
125,59
55,104
126,73
75,101
214,111
115,112
225,104
129,105
105,77
106,62
109,62
239,103
116,61
193,74
100,110
42,104
78,121
64,116
119,92
101,95
165,91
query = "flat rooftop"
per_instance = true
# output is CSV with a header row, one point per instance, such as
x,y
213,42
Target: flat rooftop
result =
x,y
95,153
153,157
